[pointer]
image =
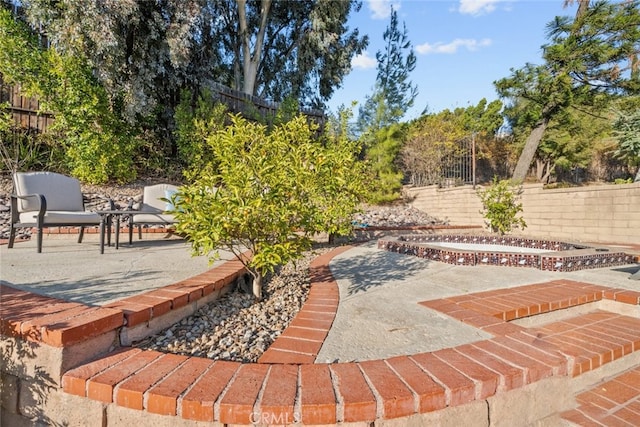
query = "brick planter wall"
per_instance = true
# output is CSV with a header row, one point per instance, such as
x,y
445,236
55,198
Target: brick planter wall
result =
x,y
494,380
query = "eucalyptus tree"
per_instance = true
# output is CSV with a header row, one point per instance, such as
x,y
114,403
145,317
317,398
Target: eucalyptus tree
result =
x,y
585,65
280,49
145,52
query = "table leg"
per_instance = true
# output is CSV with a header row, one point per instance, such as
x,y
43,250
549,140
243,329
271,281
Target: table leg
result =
x,y
117,231
109,222
102,219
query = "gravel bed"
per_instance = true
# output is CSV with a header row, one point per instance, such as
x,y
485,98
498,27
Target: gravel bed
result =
x,y
236,327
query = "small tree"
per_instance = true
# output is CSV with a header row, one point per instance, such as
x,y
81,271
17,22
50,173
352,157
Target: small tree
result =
x,y
270,193
501,207
627,131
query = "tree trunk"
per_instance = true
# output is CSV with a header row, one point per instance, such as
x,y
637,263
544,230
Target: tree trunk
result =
x,y
529,151
257,286
637,178
251,60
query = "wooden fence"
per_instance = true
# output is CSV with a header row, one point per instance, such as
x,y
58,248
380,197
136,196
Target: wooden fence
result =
x,y
26,111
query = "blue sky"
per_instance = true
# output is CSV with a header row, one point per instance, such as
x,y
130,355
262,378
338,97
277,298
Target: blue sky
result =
x,y
461,46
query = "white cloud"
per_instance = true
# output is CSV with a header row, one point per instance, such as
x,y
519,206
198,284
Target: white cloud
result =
x,y
477,7
452,47
363,61
381,9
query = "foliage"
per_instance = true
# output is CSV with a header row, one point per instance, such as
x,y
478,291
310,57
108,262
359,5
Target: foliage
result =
x,y
382,157
145,52
98,145
139,49
394,93
570,142
378,118
501,206
270,193
278,49
194,124
584,66
22,149
627,131
483,119
430,140
620,181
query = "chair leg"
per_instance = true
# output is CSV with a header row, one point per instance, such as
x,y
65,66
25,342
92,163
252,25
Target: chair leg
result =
x,y
130,232
139,232
12,236
81,234
39,239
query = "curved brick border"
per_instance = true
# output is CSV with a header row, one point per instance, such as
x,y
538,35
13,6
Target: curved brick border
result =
x,y
229,392
303,338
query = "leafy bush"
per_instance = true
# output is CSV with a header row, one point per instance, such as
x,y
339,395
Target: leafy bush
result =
x,y
194,124
270,192
501,207
623,181
99,144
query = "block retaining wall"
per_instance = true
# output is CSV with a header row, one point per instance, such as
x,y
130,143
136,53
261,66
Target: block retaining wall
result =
x,y
598,213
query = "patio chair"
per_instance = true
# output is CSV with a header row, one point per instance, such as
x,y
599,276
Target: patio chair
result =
x,y
47,199
153,208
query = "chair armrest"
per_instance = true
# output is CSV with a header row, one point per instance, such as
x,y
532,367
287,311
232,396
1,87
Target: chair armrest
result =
x,y
112,204
42,206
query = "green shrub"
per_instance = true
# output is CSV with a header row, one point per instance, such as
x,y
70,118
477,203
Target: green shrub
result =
x,y
501,207
271,192
194,124
623,181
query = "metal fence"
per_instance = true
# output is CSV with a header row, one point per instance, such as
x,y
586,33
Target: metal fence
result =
x,y
458,167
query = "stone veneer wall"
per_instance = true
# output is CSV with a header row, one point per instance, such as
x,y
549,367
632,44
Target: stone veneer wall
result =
x,y
600,213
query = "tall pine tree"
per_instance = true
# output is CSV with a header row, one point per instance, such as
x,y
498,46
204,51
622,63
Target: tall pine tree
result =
x,y
379,117
394,93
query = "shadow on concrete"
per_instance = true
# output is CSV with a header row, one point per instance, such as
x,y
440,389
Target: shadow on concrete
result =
x,y
91,290
374,269
633,270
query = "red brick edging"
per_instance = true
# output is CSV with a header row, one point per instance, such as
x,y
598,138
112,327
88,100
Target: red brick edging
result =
x,y
303,338
60,323
230,392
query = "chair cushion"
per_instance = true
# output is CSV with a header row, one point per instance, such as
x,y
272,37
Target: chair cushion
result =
x,y
61,192
63,217
152,197
151,218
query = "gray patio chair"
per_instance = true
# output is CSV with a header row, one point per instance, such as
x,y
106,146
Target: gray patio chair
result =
x,y
153,208
47,199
